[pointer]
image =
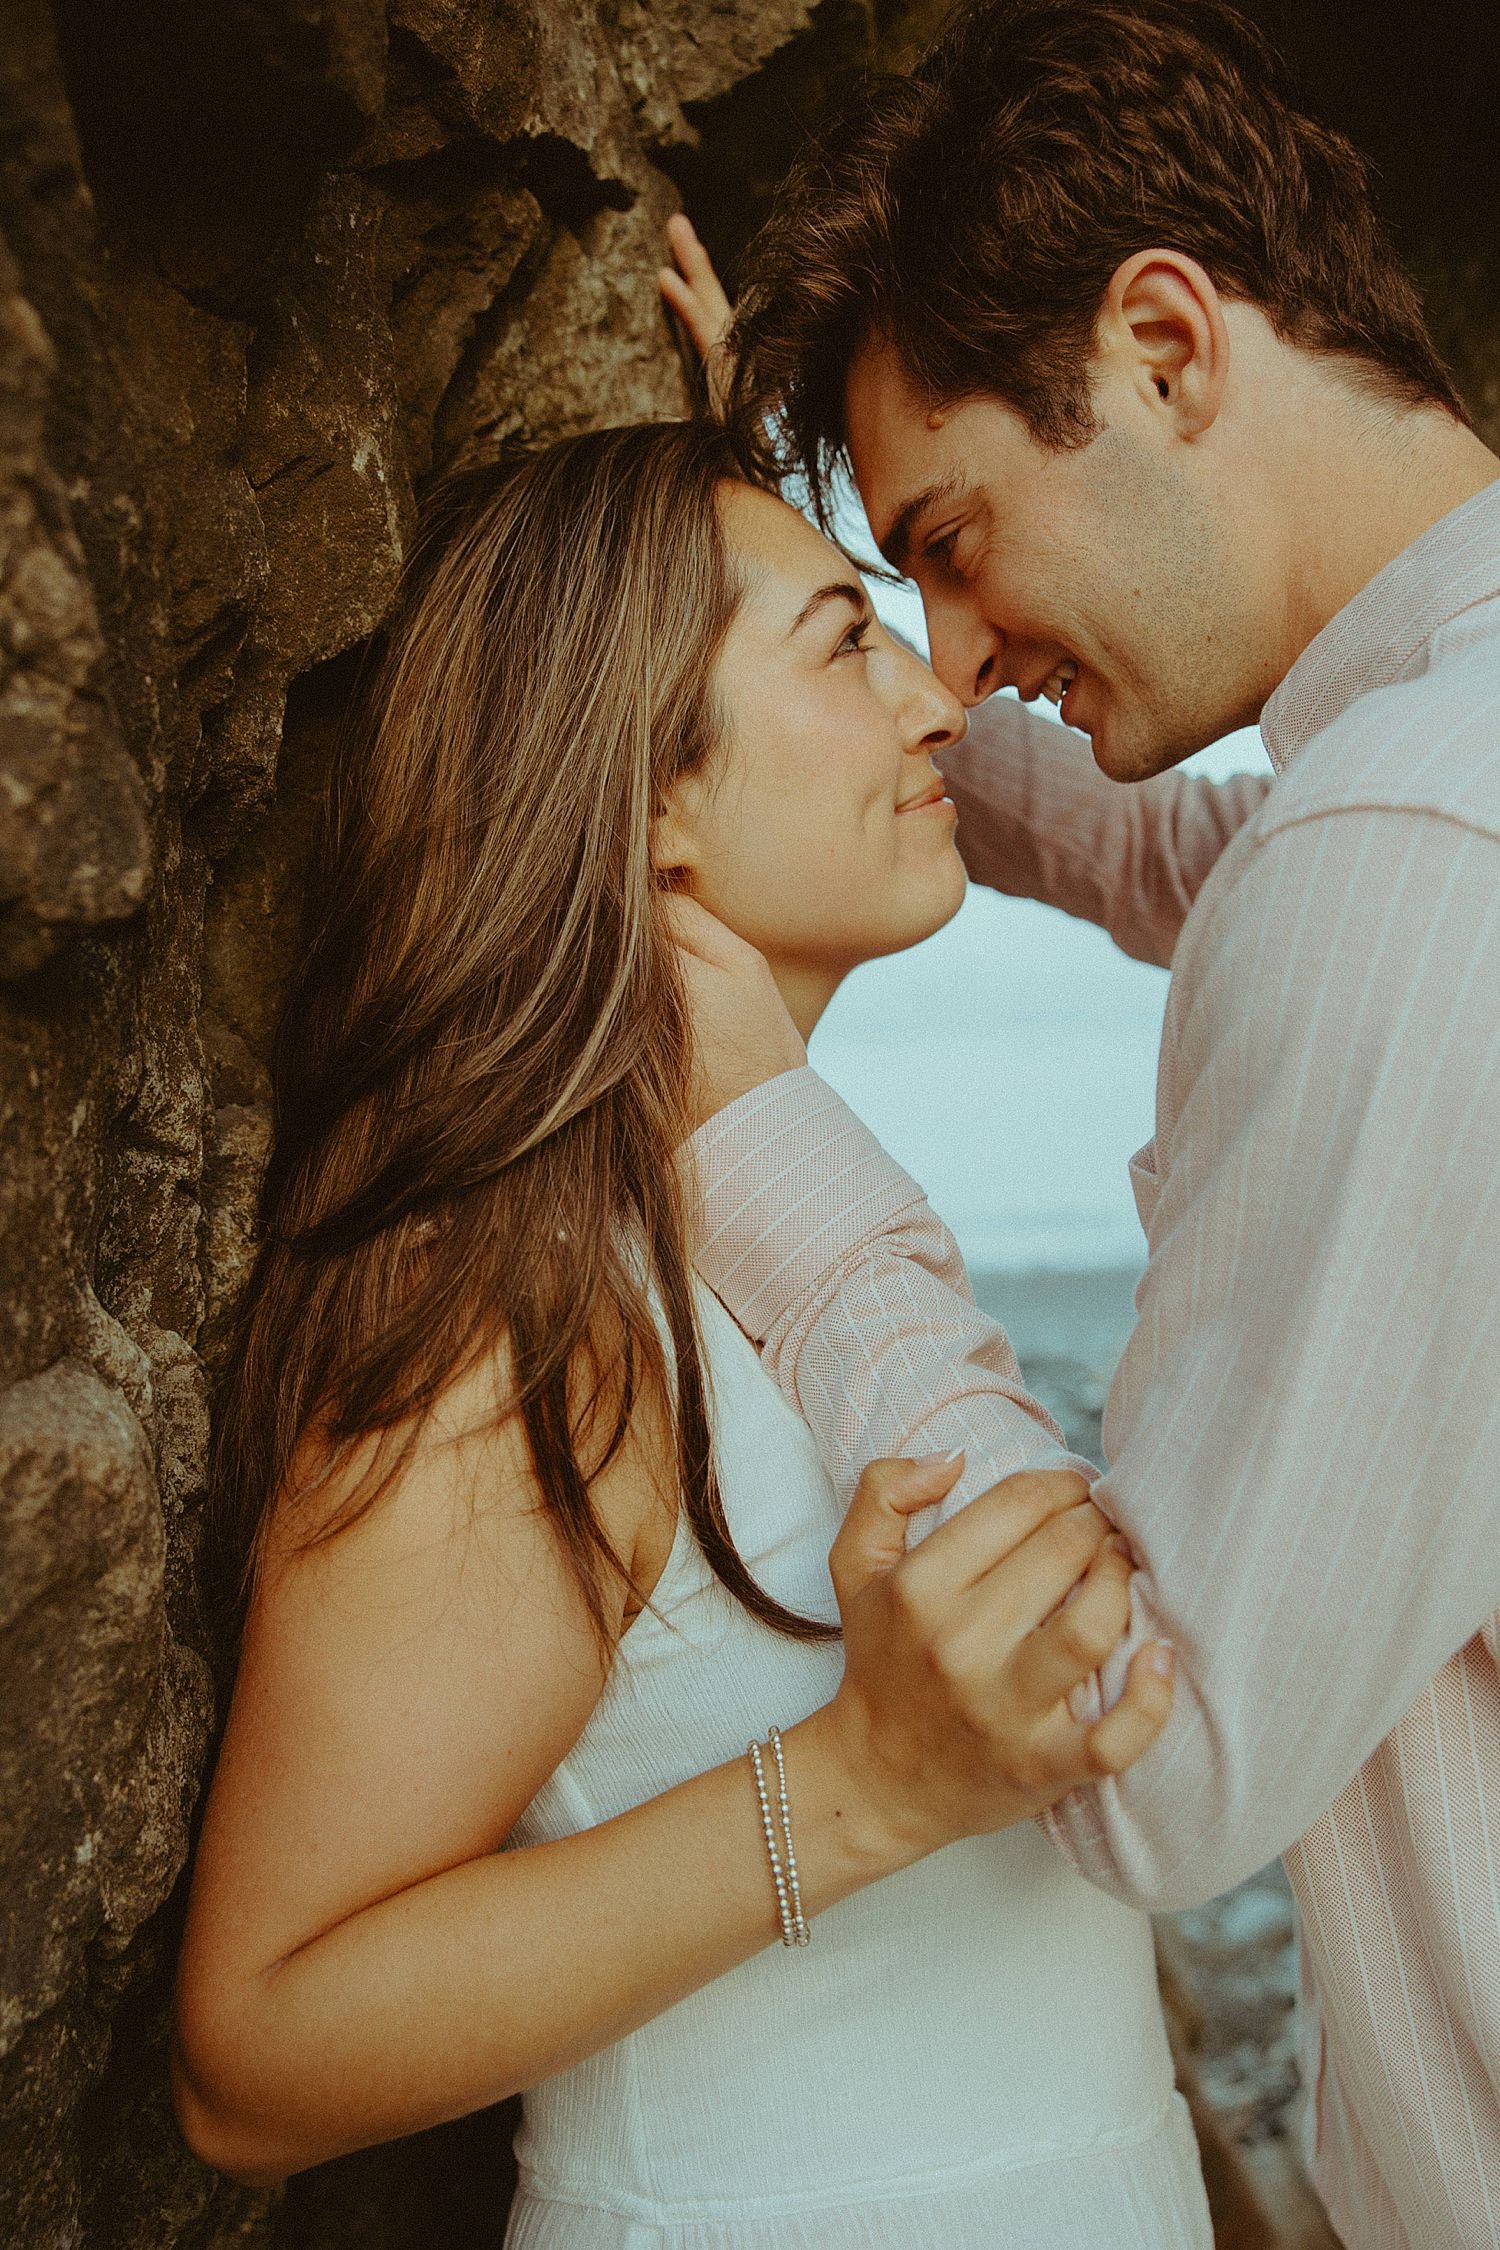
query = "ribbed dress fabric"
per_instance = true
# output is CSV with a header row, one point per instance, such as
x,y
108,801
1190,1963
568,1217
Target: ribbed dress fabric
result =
x,y
968,2056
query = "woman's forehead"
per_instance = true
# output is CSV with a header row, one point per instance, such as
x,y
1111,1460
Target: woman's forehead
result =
x,y
783,557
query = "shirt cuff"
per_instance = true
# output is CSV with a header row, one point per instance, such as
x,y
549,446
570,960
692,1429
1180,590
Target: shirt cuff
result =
x,y
789,1184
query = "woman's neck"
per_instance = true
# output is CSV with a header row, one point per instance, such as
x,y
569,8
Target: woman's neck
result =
x,y
806,991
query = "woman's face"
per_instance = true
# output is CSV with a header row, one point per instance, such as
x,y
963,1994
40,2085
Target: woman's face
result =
x,y
819,831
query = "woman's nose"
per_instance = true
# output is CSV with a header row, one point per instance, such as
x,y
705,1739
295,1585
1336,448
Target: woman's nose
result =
x,y
935,718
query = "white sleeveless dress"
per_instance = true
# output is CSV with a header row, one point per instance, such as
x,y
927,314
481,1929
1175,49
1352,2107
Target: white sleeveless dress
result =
x,y
968,2056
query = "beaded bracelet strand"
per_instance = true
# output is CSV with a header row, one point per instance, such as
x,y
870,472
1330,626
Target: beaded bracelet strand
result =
x,y
794,1929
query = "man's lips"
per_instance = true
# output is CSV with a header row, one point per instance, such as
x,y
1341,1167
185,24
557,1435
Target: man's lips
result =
x,y
1030,687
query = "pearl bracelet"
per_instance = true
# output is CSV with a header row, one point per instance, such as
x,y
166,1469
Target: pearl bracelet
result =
x,y
794,1929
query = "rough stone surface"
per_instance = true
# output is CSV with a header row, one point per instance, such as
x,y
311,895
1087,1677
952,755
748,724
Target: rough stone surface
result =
x,y
265,267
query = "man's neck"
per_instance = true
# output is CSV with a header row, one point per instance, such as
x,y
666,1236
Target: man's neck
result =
x,y
1361,484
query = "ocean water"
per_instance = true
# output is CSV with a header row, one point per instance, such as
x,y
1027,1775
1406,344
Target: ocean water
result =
x,y
1009,1064
1067,1328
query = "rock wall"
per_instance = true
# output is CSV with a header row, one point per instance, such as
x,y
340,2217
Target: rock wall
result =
x,y
264,268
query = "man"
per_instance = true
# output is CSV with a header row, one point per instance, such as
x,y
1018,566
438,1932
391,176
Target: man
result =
x,y
1132,385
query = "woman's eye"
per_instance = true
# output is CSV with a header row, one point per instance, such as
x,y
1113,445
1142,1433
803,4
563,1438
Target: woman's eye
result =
x,y
853,642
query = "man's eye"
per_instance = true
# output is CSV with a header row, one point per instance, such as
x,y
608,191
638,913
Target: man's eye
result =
x,y
941,548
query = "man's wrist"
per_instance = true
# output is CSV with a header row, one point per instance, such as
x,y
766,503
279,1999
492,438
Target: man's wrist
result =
x,y
713,1095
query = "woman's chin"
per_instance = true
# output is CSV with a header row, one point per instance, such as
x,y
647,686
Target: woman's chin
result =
x,y
948,896
929,914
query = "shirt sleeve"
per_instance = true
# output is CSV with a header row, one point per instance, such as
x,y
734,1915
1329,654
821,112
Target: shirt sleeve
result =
x,y
1037,819
1304,1426
1303,1430
831,1259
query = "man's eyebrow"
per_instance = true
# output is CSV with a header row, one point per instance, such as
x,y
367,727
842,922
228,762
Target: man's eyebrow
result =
x,y
897,540
841,589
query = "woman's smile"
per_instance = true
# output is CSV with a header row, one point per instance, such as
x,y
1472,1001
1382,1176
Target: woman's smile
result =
x,y
830,728
933,798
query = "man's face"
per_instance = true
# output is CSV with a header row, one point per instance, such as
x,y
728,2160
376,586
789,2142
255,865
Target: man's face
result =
x,y
1113,572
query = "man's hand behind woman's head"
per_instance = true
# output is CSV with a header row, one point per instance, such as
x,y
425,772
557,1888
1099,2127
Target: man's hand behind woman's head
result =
x,y
694,292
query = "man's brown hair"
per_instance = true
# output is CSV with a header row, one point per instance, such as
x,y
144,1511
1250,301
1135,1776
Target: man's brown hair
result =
x,y
972,214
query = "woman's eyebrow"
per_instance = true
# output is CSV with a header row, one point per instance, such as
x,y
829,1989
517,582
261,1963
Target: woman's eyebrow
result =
x,y
841,589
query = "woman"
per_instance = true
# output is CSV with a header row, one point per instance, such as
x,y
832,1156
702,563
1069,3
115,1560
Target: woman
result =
x,y
534,1547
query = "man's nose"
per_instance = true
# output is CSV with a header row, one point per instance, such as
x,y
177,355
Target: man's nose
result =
x,y
967,652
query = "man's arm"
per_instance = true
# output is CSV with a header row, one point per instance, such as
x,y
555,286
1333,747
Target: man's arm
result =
x,y
831,1258
1304,1426
1037,819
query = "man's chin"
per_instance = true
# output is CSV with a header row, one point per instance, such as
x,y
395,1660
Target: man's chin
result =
x,y
1129,753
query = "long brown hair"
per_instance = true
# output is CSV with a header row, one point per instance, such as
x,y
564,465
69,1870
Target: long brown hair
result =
x,y
482,1066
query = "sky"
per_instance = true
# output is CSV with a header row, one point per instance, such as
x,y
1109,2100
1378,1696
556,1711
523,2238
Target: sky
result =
x,y
1010,1062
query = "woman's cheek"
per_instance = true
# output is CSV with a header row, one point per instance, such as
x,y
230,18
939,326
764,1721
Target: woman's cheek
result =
x,y
755,889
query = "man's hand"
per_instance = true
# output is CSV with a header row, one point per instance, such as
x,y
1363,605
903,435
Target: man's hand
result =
x,y
960,1656
742,1033
694,292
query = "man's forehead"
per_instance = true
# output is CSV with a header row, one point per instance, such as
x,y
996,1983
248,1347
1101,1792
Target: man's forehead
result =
x,y
894,452
881,402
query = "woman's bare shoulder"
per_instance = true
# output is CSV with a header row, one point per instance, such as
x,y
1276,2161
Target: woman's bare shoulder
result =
x,y
406,1683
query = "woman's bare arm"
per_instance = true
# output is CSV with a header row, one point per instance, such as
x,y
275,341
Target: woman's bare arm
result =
x,y
361,1960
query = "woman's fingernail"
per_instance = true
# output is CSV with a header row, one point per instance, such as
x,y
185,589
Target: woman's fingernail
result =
x,y
938,1460
1163,1660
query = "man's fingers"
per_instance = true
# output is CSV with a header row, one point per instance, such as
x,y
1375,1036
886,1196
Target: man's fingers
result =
x,y
693,260
704,936
1123,1734
694,290
1079,1635
872,1537
684,300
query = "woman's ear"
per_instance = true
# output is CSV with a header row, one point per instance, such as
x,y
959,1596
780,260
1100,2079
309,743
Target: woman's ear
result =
x,y
674,841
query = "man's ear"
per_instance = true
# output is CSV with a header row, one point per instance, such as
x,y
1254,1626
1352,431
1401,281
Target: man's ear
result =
x,y
1163,324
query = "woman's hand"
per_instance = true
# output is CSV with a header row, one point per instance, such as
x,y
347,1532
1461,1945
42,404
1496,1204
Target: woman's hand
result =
x,y
960,1656
361,1958
694,292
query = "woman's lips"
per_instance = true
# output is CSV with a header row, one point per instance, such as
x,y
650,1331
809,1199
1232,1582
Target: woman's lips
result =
x,y
928,801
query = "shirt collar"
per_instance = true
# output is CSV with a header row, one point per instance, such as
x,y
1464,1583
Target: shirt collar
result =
x,y
1374,638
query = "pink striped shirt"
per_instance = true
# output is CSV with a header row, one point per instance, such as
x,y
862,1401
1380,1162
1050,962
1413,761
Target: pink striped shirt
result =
x,y
1304,1433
